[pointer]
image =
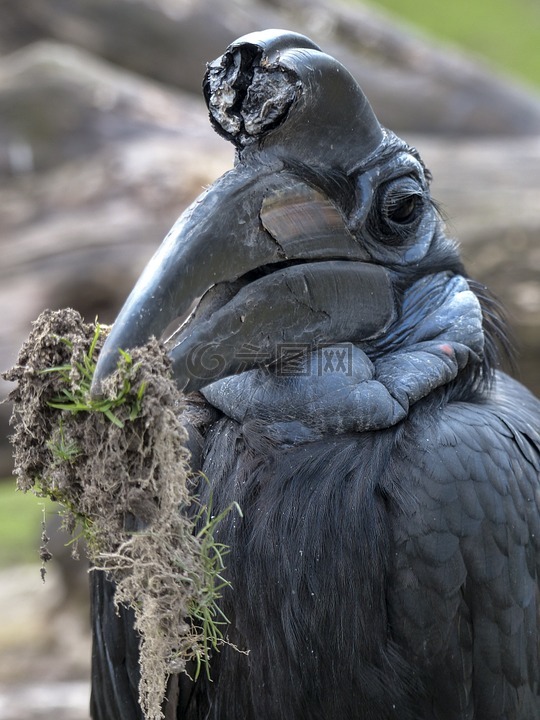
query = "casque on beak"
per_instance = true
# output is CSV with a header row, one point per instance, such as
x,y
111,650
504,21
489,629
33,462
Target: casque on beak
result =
x,y
278,245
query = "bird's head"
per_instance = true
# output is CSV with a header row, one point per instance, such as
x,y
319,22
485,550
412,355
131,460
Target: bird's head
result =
x,y
323,235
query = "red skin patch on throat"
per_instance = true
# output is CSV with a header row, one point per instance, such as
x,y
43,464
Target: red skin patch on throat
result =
x,y
446,349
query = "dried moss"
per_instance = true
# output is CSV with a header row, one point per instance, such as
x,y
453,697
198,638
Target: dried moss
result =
x,y
120,468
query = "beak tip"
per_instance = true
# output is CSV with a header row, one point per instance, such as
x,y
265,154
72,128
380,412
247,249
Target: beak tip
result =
x,y
96,391
96,388
105,366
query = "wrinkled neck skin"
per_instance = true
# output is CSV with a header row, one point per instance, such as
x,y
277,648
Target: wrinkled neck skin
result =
x,y
437,337
355,387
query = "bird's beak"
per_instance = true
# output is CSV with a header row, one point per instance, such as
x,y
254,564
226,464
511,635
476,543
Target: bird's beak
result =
x,y
269,253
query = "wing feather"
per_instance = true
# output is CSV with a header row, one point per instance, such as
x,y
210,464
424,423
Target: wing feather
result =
x,y
471,536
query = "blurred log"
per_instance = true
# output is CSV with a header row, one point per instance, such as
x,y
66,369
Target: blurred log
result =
x,y
488,189
168,40
58,103
413,84
78,234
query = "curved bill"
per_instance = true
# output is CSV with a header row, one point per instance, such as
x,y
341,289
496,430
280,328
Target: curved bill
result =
x,y
285,105
228,232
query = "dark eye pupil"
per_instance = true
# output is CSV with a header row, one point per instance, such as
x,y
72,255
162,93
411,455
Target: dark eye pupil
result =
x,y
404,210
398,208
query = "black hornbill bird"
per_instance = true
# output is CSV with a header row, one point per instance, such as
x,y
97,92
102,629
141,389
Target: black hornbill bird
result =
x,y
386,564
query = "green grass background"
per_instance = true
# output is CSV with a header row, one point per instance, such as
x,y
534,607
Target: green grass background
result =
x,y
21,515
505,33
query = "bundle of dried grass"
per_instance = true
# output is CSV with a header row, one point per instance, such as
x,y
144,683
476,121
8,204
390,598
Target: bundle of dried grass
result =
x,y
119,467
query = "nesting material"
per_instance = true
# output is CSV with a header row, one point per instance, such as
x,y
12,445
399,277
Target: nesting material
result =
x,y
120,469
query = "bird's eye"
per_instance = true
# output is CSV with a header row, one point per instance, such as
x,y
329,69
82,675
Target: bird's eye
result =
x,y
401,200
404,209
398,206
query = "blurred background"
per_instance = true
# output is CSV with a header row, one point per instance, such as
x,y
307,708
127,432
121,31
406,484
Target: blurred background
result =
x,y
104,140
